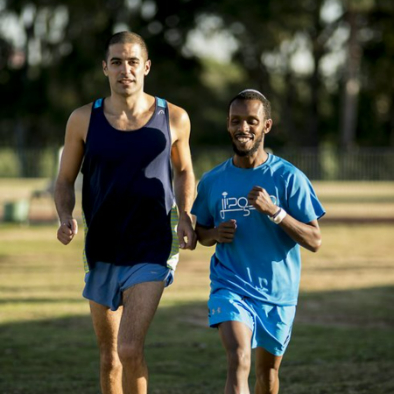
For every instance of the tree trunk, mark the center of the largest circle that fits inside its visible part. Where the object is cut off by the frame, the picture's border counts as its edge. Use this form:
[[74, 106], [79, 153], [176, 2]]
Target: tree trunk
[[287, 112], [312, 129], [351, 86], [391, 135]]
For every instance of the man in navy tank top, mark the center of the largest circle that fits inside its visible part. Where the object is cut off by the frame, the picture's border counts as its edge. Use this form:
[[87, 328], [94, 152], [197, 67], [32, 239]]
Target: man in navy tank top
[[258, 209], [127, 146]]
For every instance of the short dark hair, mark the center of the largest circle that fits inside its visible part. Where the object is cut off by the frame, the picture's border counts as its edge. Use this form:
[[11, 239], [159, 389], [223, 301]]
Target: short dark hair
[[252, 94], [126, 37]]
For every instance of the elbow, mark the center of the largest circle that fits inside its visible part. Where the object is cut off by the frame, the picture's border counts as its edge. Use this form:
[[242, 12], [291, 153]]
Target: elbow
[[64, 183], [186, 172], [206, 242], [315, 245]]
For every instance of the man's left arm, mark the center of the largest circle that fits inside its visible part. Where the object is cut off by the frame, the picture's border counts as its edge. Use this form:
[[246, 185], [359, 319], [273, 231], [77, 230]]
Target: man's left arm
[[184, 180], [307, 235]]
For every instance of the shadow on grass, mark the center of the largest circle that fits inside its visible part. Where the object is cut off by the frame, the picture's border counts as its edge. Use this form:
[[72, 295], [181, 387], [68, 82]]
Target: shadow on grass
[[347, 353], [40, 300]]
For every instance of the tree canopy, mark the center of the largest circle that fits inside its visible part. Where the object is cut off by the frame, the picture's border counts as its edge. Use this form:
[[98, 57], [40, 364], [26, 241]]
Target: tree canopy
[[325, 65]]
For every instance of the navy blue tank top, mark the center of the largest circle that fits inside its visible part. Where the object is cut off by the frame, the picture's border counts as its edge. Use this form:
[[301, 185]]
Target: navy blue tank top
[[127, 196]]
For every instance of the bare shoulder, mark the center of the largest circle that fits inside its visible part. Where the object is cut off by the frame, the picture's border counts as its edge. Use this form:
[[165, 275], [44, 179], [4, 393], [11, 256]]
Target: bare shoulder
[[179, 122], [78, 122]]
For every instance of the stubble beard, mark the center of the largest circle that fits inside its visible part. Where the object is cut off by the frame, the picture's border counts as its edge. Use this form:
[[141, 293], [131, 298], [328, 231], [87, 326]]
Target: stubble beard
[[251, 151]]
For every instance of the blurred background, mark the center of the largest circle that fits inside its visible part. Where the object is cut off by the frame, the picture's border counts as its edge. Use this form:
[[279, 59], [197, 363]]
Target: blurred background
[[326, 66]]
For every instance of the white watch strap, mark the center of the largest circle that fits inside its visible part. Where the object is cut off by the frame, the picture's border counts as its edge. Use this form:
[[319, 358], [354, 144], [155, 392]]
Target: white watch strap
[[278, 217]]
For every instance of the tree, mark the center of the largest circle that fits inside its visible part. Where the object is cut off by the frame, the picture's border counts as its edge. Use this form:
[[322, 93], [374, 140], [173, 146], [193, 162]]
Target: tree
[[292, 51]]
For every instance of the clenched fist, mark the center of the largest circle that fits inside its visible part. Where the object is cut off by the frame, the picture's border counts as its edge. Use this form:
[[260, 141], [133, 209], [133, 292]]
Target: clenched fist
[[261, 200]]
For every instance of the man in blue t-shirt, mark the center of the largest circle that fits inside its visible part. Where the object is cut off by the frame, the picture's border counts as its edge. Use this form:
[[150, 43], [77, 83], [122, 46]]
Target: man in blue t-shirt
[[258, 209]]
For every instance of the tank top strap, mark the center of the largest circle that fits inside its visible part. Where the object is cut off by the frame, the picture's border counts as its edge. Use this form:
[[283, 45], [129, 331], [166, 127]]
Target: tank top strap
[[161, 103], [161, 117], [98, 103], [96, 117]]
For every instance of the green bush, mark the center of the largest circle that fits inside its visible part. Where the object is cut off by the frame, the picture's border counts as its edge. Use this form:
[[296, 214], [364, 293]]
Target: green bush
[[9, 163]]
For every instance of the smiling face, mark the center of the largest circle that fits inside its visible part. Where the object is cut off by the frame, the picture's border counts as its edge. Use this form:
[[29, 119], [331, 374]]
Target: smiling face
[[126, 67], [247, 126]]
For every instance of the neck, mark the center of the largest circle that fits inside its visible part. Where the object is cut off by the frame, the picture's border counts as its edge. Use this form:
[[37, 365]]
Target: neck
[[253, 161], [133, 105]]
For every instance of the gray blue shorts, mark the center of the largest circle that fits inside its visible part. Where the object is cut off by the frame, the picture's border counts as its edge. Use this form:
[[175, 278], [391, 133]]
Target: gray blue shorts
[[270, 324], [105, 283]]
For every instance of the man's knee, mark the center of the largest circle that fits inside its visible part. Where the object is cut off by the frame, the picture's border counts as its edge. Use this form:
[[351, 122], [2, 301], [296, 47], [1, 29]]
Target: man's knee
[[268, 379], [239, 359], [109, 360], [131, 354]]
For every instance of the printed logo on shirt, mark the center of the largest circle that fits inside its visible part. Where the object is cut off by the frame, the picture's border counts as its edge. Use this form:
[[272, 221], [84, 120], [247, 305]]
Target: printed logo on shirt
[[238, 204], [161, 112]]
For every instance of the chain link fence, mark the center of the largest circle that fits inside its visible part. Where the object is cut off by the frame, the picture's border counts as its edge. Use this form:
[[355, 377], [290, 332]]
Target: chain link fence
[[363, 164]]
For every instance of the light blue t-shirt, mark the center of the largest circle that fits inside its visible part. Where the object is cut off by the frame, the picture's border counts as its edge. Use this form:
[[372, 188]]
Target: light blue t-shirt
[[262, 262]]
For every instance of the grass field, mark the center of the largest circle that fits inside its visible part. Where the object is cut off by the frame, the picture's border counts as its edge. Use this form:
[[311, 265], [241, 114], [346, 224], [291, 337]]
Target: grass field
[[349, 200], [343, 339]]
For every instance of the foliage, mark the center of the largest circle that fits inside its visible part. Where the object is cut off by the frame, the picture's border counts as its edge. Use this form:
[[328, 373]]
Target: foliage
[[55, 65]]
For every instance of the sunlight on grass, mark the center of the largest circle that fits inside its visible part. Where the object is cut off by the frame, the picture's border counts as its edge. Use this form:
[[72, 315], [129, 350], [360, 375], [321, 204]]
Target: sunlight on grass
[[344, 322]]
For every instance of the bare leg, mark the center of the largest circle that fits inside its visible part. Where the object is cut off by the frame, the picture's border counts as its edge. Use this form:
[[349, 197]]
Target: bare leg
[[267, 372], [236, 339], [106, 326], [139, 306]]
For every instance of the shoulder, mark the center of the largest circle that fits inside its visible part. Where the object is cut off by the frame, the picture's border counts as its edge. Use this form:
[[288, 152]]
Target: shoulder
[[211, 176], [284, 168], [292, 175], [81, 115], [78, 122], [179, 121], [177, 114]]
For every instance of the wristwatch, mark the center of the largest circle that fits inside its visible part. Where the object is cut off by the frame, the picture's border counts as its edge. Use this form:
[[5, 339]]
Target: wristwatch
[[278, 216]]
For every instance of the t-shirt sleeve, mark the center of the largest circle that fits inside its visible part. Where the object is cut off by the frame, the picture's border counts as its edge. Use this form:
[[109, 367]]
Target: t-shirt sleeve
[[201, 205], [303, 203]]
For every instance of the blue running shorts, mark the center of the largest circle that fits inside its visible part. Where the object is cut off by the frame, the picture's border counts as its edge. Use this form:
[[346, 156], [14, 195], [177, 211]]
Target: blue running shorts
[[270, 324], [105, 283]]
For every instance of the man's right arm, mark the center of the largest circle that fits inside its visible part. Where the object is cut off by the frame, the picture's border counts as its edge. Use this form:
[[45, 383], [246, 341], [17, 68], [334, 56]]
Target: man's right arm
[[70, 164]]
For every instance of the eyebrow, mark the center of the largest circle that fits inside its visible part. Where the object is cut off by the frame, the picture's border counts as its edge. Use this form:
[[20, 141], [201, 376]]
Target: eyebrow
[[119, 58], [249, 116]]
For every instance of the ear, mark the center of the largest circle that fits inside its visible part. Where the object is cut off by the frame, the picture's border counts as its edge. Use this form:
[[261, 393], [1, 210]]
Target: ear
[[267, 126], [105, 71], [147, 66]]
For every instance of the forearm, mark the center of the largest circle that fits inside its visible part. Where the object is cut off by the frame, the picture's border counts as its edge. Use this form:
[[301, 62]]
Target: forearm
[[206, 236], [307, 235], [184, 185], [64, 199]]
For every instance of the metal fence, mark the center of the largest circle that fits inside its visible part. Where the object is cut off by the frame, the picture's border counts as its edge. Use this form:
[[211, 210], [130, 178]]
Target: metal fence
[[366, 164], [29, 163]]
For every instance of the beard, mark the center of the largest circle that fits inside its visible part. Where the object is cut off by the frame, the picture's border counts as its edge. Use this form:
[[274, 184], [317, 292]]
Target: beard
[[247, 152]]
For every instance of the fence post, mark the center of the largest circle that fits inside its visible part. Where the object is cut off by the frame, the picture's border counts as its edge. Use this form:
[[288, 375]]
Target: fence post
[[329, 162]]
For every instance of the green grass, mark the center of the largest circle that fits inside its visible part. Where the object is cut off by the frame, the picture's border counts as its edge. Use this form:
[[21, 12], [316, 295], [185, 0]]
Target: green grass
[[341, 199], [342, 342]]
